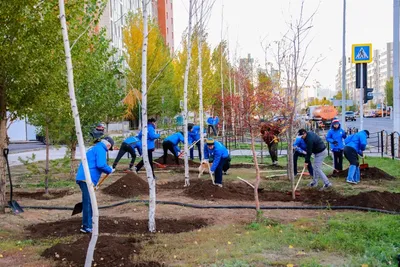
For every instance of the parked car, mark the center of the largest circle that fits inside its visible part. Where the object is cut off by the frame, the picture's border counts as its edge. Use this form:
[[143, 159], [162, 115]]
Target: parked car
[[350, 116]]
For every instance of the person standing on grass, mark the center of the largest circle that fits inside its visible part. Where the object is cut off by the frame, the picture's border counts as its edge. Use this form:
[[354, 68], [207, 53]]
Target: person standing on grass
[[221, 159], [194, 136], [300, 148], [315, 146], [171, 143], [211, 126], [355, 145], [97, 161], [128, 146], [151, 137], [335, 137]]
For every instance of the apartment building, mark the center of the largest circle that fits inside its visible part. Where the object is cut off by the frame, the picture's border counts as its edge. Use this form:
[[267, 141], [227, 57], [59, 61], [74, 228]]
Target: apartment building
[[379, 71], [114, 19]]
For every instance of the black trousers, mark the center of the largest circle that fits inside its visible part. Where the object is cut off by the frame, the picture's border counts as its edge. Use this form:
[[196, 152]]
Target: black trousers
[[296, 155], [227, 164], [351, 155], [338, 160], [141, 163], [273, 151], [123, 149], [168, 145], [213, 128]]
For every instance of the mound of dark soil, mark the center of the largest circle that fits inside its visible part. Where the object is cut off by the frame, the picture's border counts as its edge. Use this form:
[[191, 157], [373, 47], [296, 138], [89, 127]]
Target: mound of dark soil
[[205, 190], [117, 225], [177, 184], [110, 251], [171, 162], [262, 166], [128, 186], [40, 195], [371, 173]]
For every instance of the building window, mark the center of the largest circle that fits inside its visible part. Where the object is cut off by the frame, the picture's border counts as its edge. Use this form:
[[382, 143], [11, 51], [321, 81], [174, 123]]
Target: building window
[[167, 30], [167, 15]]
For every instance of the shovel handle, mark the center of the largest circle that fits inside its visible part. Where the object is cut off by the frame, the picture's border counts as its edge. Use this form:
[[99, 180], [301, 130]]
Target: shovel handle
[[101, 181], [301, 175]]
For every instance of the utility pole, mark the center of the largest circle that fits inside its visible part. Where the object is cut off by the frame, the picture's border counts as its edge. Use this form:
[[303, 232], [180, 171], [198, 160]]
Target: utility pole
[[396, 95], [344, 68]]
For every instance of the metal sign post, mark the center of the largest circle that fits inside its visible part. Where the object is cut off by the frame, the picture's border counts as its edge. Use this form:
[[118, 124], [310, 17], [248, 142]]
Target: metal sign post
[[360, 54]]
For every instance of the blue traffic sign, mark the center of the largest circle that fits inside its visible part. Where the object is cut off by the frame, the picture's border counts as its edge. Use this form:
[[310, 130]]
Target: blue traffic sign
[[361, 53]]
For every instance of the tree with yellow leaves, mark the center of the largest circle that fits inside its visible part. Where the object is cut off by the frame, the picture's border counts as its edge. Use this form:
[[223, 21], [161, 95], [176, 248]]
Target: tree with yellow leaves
[[160, 71]]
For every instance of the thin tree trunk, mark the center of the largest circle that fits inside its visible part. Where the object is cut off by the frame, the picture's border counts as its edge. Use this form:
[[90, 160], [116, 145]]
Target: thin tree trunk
[[72, 157], [200, 75], [149, 171], [231, 95], [3, 145], [185, 94], [46, 170], [222, 77], [257, 182], [74, 107]]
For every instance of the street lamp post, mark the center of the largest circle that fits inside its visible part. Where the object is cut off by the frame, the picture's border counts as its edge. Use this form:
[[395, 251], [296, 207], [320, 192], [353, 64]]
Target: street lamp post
[[344, 67]]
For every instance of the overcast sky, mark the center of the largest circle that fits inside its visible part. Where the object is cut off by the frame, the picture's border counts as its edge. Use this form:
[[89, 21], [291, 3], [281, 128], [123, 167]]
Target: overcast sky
[[246, 22]]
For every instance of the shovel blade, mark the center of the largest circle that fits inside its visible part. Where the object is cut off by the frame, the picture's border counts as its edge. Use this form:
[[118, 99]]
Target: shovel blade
[[16, 208], [77, 209], [364, 166]]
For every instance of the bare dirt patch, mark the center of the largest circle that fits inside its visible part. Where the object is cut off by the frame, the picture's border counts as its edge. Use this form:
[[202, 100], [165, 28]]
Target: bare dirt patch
[[110, 251], [114, 225], [371, 173], [40, 194], [128, 186], [205, 190], [261, 166], [171, 162]]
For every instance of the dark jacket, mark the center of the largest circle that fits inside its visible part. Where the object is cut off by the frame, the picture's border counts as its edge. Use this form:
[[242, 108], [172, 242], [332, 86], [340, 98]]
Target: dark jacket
[[314, 145]]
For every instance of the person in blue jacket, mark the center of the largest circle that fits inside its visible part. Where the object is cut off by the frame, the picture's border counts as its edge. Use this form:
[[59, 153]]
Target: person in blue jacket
[[355, 145], [128, 146], [221, 162], [211, 126], [194, 136], [171, 143], [300, 148], [335, 137], [151, 137], [97, 161]]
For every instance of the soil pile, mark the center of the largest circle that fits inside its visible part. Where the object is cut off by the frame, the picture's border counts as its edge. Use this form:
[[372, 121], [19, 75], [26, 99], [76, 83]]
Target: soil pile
[[110, 251], [171, 162], [371, 173], [114, 225], [176, 184], [128, 186], [373, 199], [40, 195]]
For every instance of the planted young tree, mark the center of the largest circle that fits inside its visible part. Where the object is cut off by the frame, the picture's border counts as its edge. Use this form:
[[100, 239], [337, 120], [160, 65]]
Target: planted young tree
[[260, 103], [292, 57], [185, 93], [74, 107], [149, 171]]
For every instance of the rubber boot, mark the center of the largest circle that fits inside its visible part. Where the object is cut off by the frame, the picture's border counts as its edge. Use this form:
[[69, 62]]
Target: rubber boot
[[351, 174], [357, 175]]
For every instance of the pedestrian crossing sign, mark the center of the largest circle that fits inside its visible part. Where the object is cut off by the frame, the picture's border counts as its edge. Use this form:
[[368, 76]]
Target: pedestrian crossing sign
[[361, 53]]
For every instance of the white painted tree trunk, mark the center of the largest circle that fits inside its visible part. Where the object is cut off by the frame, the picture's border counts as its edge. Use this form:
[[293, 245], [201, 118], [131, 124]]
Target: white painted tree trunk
[[78, 129], [231, 95], [200, 75], [185, 93], [222, 77], [149, 171]]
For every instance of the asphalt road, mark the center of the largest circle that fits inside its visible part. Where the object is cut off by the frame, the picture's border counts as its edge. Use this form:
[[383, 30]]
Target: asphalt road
[[373, 125], [19, 147]]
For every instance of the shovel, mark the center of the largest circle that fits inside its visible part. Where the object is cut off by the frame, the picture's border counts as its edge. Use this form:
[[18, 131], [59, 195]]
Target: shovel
[[364, 165], [297, 193], [243, 180], [159, 165], [16, 208], [209, 171], [190, 147], [78, 207]]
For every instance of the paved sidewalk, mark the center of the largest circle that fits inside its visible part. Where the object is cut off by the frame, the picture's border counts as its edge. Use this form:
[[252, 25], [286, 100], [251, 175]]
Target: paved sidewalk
[[58, 153]]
